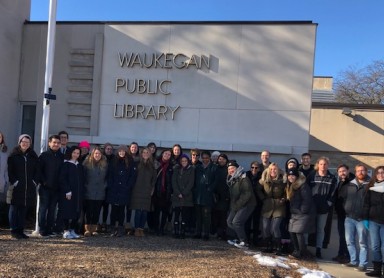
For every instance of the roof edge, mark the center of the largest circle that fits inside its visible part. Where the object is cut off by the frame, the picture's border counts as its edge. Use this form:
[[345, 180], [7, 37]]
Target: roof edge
[[245, 22]]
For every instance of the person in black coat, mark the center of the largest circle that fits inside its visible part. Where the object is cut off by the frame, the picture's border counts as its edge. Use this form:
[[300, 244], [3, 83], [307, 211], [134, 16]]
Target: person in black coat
[[50, 163], [23, 172], [302, 209], [71, 193], [161, 198], [344, 177], [121, 179], [205, 184], [222, 199], [252, 226]]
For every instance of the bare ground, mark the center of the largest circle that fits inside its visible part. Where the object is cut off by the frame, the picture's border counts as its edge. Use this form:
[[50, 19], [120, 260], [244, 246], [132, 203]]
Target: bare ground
[[129, 256]]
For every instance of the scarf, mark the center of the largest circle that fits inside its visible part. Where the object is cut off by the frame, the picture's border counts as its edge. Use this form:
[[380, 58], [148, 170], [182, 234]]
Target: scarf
[[231, 180], [163, 165], [378, 187]]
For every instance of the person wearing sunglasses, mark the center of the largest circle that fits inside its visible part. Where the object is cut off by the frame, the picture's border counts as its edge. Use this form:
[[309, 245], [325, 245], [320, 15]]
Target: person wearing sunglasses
[[252, 226]]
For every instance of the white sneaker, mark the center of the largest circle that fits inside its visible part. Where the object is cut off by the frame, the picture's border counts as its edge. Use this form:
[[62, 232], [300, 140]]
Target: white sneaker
[[241, 245], [68, 235], [233, 241], [74, 234]]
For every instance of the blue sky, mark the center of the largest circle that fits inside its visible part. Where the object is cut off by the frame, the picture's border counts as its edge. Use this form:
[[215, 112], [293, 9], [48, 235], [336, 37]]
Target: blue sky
[[349, 33]]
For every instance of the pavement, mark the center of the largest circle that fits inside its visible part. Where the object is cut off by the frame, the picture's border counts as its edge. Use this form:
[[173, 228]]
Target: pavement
[[335, 269]]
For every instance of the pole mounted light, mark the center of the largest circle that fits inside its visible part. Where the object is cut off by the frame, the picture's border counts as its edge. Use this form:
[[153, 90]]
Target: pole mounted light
[[47, 92]]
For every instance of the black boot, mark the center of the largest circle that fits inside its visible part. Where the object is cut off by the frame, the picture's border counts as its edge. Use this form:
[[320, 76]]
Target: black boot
[[376, 272], [318, 253], [279, 251], [182, 230], [176, 229], [269, 245]]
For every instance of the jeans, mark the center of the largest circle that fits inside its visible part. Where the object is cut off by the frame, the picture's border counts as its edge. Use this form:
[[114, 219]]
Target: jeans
[[271, 227], [352, 227], [47, 209], [236, 221], [321, 220], [140, 218], [376, 232], [16, 217]]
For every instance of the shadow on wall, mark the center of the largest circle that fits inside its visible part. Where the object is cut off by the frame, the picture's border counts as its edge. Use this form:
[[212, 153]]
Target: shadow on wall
[[319, 148]]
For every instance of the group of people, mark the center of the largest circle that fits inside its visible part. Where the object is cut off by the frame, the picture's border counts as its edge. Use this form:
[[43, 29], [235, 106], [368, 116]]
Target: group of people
[[204, 194]]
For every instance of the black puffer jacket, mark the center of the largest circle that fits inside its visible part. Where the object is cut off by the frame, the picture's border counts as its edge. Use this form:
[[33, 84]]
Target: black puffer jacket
[[353, 195], [23, 169], [301, 206], [374, 205]]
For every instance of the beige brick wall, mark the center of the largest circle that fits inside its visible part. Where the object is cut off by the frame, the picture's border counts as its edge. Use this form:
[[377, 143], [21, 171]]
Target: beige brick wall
[[350, 159]]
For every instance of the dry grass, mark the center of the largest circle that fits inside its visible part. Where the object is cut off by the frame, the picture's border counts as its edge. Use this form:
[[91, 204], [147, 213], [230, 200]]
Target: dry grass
[[151, 256]]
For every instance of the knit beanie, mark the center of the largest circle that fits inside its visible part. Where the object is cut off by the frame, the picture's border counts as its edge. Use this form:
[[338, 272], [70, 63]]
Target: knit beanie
[[24, 136], [85, 144]]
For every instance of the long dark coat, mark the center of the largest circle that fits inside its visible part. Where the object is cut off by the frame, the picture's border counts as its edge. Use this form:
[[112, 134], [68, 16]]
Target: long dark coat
[[162, 197], [221, 192], [144, 186], [182, 183], [72, 179], [205, 184], [120, 182], [302, 208], [24, 168]]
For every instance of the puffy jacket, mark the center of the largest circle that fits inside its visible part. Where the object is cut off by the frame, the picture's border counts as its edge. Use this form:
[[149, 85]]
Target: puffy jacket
[[302, 207], [23, 169], [373, 207], [353, 195], [274, 196], [182, 183], [241, 193]]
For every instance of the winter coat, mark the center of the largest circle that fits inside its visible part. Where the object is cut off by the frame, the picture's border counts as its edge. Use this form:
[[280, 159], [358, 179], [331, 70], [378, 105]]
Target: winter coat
[[50, 165], [338, 199], [221, 193], [23, 168], [257, 188], [373, 208], [95, 182], [144, 186], [205, 184], [72, 180], [302, 208], [241, 192], [120, 182], [353, 195], [273, 196], [323, 191], [3, 171], [182, 183], [162, 195]]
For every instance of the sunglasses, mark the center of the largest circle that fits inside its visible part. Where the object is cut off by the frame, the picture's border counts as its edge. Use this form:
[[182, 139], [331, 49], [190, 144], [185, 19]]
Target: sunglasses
[[254, 167]]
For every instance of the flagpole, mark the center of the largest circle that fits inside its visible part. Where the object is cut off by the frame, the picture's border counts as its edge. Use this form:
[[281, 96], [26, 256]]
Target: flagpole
[[47, 90]]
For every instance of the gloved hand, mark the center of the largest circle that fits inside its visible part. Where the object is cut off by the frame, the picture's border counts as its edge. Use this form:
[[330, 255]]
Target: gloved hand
[[366, 224]]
